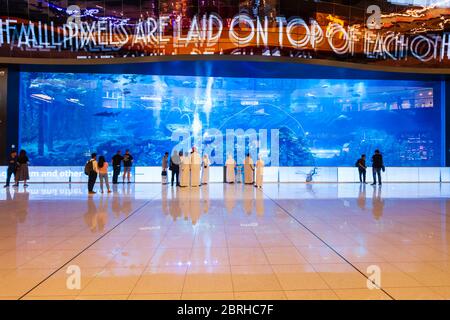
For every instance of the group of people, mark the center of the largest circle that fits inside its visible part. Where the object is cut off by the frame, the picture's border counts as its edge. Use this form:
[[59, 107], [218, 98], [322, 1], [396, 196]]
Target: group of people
[[99, 169], [190, 169], [187, 169], [17, 166], [377, 167]]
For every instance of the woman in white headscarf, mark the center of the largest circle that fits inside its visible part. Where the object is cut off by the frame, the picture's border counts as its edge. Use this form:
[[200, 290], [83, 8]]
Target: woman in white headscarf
[[249, 170], [185, 170], [205, 164], [259, 172], [230, 164], [196, 163]]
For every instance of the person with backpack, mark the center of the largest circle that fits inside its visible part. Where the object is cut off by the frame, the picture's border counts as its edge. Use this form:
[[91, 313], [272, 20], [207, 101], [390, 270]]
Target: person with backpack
[[361, 165], [91, 170]]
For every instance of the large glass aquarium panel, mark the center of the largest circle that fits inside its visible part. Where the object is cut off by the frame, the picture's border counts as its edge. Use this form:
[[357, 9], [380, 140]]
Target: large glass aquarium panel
[[290, 122]]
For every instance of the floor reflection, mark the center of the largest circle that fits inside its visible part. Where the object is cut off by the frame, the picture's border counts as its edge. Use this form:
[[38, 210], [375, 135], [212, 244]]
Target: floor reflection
[[293, 241]]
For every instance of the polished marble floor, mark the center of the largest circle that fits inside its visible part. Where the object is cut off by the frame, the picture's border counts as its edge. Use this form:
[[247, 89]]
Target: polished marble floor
[[288, 241]]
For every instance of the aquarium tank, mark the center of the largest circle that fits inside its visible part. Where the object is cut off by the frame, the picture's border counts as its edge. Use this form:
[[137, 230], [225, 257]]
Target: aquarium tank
[[306, 122]]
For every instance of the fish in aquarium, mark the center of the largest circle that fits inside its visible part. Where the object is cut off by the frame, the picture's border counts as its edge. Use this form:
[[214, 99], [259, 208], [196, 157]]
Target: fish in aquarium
[[321, 122]]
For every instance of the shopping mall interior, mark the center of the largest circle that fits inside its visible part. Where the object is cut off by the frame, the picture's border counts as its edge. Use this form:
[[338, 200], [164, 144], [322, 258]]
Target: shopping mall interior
[[224, 150]]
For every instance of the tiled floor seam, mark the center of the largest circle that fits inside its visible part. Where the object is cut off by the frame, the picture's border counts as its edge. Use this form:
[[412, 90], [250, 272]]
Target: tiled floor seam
[[90, 245], [329, 246]]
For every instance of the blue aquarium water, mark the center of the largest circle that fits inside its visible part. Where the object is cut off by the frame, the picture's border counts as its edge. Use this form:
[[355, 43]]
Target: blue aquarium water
[[294, 122]]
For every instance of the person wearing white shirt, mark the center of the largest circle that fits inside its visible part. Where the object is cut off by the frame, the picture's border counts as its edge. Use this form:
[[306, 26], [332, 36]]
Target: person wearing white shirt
[[249, 170], [259, 172], [206, 164], [230, 165], [185, 170], [196, 163]]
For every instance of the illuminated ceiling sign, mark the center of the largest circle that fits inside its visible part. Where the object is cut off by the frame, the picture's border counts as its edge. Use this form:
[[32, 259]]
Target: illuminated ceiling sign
[[423, 3], [407, 36]]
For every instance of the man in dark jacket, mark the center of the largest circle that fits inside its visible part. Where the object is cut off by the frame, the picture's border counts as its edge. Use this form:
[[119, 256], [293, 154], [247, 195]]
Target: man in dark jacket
[[377, 166], [12, 166], [117, 164], [174, 166]]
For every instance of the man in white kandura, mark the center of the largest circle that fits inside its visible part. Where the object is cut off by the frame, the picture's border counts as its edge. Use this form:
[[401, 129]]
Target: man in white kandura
[[196, 163], [230, 164], [249, 170], [259, 172], [205, 165], [185, 170]]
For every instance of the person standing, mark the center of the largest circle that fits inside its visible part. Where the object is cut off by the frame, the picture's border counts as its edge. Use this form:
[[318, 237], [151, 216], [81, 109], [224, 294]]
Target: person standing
[[117, 164], [103, 173], [164, 166], [175, 167], [22, 173], [205, 165], [361, 164], [127, 164], [12, 167], [249, 169], [91, 169], [259, 172], [377, 166], [230, 165], [196, 163], [185, 170]]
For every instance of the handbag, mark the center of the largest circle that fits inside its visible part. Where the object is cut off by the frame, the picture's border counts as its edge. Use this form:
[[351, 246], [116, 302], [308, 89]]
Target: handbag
[[164, 173]]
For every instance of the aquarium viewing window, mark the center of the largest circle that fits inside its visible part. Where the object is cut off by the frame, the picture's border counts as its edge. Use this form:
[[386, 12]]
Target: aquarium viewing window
[[291, 122]]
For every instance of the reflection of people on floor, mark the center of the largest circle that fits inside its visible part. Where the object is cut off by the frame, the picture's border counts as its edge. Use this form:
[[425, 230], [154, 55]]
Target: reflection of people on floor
[[249, 196], [205, 198], [361, 201], [90, 217], [205, 165], [377, 203], [259, 172], [174, 204], [164, 205], [249, 169], [184, 202], [230, 164], [259, 203], [239, 174], [185, 170], [116, 205], [196, 162], [194, 205], [22, 204], [102, 215], [127, 204], [229, 197], [8, 195]]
